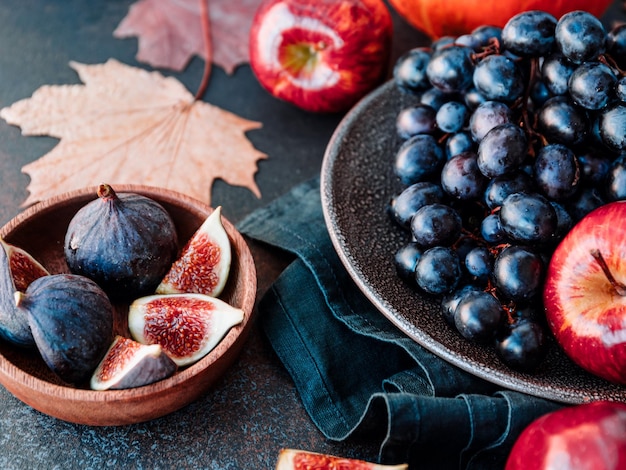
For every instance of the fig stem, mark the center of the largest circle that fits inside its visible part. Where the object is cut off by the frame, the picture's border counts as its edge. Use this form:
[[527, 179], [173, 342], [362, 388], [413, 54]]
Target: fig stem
[[105, 191], [619, 287]]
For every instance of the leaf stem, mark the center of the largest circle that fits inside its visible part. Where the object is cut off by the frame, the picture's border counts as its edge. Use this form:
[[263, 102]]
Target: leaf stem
[[206, 32]]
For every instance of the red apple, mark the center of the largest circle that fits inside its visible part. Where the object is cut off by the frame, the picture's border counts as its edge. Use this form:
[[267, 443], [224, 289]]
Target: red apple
[[585, 292], [321, 55], [582, 437]]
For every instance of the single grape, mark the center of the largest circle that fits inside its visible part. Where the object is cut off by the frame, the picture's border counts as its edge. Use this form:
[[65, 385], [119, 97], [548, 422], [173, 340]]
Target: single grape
[[459, 142], [479, 263], [473, 98], [450, 68], [593, 136], [491, 229], [580, 36], [584, 201], [528, 218], [467, 40], [564, 221], [413, 120], [592, 85], [405, 204], [461, 178], [478, 316], [616, 180], [436, 224], [612, 126], [594, 166], [620, 89], [434, 98], [555, 72], [451, 116], [438, 270], [409, 71], [498, 78], [485, 34], [500, 187], [449, 302], [406, 259], [616, 44], [539, 94], [530, 33], [560, 121], [502, 150], [532, 312], [487, 116], [518, 273], [523, 347], [556, 170], [418, 158], [464, 245], [442, 42]]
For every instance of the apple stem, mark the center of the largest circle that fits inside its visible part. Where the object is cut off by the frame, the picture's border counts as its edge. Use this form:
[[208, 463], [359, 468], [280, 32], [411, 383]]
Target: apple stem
[[619, 287]]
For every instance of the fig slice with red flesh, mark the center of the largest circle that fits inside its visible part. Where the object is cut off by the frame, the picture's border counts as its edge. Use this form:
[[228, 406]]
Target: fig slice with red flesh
[[204, 263], [17, 270], [293, 459], [24, 268], [130, 364], [187, 326]]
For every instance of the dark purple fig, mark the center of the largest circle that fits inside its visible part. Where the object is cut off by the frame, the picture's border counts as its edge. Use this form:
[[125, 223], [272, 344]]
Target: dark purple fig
[[129, 364], [13, 322], [187, 326], [125, 242], [71, 319]]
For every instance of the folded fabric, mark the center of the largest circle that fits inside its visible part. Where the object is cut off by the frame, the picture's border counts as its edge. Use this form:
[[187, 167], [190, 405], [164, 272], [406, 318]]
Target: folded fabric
[[357, 374]]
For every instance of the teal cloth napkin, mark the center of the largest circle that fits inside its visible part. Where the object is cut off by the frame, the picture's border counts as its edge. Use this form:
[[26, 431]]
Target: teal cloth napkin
[[358, 376]]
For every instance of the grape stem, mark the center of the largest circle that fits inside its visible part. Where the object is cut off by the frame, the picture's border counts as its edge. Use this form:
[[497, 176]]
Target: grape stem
[[492, 47], [609, 61], [619, 287]]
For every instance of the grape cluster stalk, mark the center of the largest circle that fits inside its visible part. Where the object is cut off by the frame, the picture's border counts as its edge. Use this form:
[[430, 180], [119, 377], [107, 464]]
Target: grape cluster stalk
[[517, 133]]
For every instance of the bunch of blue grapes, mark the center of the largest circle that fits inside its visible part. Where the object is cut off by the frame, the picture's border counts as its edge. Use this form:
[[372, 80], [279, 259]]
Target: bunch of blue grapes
[[516, 134]]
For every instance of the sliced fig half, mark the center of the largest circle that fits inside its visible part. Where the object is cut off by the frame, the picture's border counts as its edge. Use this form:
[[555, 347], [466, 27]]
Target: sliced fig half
[[24, 268], [187, 326], [293, 459], [204, 263], [130, 364], [16, 268]]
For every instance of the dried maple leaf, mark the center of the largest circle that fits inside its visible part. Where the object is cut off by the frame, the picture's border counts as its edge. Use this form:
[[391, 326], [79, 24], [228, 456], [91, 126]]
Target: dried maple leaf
[[128, 125], [170, 31]]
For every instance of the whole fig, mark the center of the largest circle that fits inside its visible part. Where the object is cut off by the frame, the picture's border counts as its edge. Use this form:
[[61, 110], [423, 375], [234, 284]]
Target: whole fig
[[125, 242], [71, 320]]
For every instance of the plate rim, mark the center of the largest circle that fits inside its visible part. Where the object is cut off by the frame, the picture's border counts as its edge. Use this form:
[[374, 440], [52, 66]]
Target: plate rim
[[512, 381]]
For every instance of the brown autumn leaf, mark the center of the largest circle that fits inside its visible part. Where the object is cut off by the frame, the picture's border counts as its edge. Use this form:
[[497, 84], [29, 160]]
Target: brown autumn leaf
[[170, 31], [128, 125]]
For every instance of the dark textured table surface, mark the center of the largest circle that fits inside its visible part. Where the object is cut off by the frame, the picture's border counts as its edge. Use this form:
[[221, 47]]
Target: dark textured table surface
[[254, 410]]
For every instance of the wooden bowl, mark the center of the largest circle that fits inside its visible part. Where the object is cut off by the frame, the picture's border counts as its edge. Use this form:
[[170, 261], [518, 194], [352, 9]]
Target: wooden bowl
[[40, 230]]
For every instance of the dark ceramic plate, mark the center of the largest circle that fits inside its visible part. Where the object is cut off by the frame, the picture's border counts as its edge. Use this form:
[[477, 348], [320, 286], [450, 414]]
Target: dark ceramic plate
[[357, 183]]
